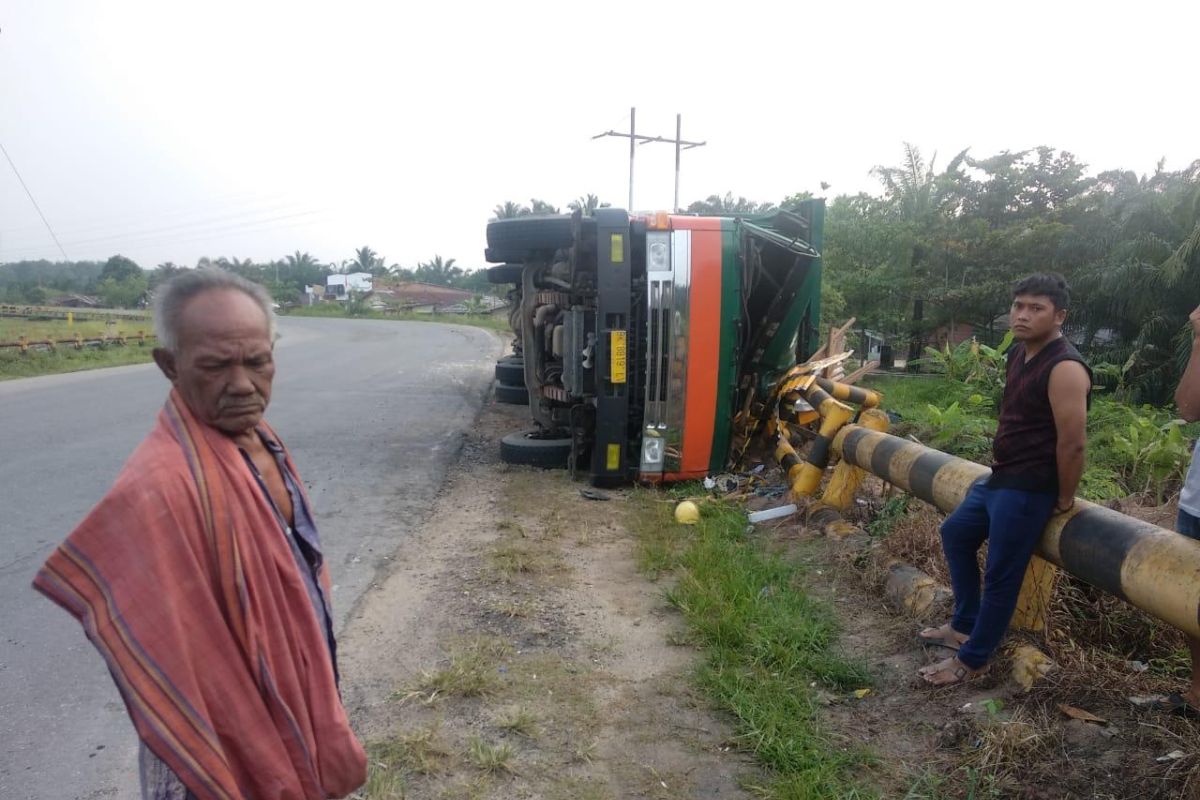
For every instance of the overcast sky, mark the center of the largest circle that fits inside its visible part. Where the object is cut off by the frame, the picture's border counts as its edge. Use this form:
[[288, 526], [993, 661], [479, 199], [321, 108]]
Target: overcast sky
[[167, 131]]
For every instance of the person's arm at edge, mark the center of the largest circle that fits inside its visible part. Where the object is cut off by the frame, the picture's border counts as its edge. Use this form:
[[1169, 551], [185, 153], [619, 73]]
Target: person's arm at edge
[[1069, 385], [1187, 394]]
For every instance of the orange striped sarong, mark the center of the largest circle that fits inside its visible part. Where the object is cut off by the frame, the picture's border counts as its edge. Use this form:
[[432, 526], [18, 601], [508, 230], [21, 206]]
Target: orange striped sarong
[[183, 581]]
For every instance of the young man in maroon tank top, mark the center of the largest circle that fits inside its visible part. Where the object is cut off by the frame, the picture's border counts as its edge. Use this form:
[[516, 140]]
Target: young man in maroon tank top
[[1038, 456]]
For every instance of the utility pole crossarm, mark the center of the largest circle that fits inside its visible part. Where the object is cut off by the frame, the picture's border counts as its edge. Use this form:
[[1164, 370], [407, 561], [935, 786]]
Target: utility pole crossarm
[[636, 138]]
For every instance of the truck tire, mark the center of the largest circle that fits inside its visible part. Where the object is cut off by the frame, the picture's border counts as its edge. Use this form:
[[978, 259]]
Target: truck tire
[[528, 449], [513, 239], [511, 373], [513, 395], [505, 273]]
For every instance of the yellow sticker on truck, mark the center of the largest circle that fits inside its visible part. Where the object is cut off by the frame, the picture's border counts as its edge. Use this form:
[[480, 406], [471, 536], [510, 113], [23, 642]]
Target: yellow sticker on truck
[[618, 248], [617, 356], [613, 462]]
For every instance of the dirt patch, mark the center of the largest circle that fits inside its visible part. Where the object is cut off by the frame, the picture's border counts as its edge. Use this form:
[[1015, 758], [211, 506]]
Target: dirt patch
[[515, 651]]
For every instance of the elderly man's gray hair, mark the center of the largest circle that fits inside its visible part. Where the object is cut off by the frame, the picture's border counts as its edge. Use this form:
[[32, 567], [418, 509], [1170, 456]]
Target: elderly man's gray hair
[[173, 295]]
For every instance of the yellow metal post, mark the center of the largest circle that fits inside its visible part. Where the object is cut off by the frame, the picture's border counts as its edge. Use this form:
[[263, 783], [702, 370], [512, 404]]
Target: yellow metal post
[[833, 416], [1033, 604], [70, 319], [846, 478]]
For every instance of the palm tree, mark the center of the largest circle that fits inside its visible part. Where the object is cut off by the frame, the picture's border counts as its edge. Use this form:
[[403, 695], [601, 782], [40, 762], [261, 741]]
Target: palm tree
[[439, 271], [508, 209], [367, 260], [302, 261], [1147, 280], [586, 204], [541, 207], [916, 195], [716, 205]]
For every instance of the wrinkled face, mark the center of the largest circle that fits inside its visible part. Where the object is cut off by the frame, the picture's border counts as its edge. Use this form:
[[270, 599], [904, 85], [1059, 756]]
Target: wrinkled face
[[223, 363], [1033, 317]]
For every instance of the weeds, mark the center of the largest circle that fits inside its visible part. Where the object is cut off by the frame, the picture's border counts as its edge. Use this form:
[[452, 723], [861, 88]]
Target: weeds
[[470, 673], [519, 720], [490, 758], [768, 645]]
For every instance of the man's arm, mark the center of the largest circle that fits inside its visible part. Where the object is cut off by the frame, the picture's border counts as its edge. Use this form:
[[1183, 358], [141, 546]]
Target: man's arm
[[1187, 394], [1069, 385]]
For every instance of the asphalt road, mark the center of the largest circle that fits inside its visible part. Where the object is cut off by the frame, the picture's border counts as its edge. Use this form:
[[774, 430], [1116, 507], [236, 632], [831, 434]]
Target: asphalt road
[[373, 413]]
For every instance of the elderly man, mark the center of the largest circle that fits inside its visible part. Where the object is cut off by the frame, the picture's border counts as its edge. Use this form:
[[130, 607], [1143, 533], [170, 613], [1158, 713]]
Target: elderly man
[[200, 579]]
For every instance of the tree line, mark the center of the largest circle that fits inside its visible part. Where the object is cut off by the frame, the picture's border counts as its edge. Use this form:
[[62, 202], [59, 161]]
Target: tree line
[[121, 283], [931, 247]]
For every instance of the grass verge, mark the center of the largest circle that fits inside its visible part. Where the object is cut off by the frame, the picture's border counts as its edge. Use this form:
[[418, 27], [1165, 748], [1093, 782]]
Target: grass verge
[[493, 322], [14, 364], [768, 645]]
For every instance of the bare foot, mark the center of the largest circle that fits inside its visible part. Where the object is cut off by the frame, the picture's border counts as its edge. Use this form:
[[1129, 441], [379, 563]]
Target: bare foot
[[947, 673]]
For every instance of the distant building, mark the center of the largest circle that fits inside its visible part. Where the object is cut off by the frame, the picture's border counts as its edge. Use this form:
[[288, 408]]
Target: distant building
[[339, 286], [423, 298]]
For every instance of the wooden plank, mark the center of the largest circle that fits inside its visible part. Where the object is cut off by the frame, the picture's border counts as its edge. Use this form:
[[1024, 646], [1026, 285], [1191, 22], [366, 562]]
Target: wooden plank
[[857, 375]]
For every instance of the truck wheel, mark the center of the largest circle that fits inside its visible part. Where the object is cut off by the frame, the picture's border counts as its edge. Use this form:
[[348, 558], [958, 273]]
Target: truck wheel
[[513, 239], [528, 449], [514, 395], [511, 373], [505, 273]]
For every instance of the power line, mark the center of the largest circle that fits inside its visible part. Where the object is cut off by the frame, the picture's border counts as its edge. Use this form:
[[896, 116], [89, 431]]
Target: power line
[[35, 205]]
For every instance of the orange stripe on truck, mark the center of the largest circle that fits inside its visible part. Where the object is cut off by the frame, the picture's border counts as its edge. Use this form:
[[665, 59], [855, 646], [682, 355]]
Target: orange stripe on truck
[[704, 344]]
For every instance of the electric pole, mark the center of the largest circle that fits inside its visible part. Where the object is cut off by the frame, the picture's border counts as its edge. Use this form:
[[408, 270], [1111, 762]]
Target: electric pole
[[635, 139]]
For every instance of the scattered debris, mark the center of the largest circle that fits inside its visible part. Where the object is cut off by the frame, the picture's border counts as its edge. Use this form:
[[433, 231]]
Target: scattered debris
[[687, 513], [1029, 664], [1174, 755], [594, 494], [772, 513], [1137, 666], [1147, 702], [725, 483], [1080, 714]]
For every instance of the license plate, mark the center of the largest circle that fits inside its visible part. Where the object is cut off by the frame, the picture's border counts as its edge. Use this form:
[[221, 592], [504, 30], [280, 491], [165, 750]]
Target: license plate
[[617, 358]]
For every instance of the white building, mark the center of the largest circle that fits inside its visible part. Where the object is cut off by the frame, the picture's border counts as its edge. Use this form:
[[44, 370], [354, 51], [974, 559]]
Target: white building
[[342, 285]]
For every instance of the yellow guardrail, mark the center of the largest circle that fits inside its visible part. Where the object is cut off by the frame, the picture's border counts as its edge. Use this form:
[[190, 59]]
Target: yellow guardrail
[[78, 341], [20, 310]]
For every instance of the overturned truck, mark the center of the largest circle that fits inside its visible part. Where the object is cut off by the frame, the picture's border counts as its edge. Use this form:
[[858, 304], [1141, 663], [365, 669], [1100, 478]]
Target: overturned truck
[[641, 339]]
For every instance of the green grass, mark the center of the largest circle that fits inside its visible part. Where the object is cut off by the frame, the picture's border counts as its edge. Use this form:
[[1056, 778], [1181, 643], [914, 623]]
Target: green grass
[[492, 322], [768, 646], [14, 364]]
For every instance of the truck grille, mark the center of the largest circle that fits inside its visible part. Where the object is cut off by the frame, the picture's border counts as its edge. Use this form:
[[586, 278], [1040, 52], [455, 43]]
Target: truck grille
[[666, 346]]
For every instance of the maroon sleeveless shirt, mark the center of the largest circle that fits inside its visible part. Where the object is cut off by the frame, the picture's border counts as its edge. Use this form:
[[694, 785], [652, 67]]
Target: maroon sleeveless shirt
[[1025, 450]]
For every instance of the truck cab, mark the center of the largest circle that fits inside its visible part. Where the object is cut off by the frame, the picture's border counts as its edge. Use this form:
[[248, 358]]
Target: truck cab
[[644, 336]]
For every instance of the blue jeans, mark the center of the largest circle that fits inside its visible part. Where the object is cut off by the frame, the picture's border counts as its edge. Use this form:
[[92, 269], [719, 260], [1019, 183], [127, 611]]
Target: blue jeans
[[1012, 521], [1188, 525]]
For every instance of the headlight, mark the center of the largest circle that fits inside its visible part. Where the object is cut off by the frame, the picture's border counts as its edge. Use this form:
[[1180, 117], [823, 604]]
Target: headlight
[[658, 253], [652, 451]]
